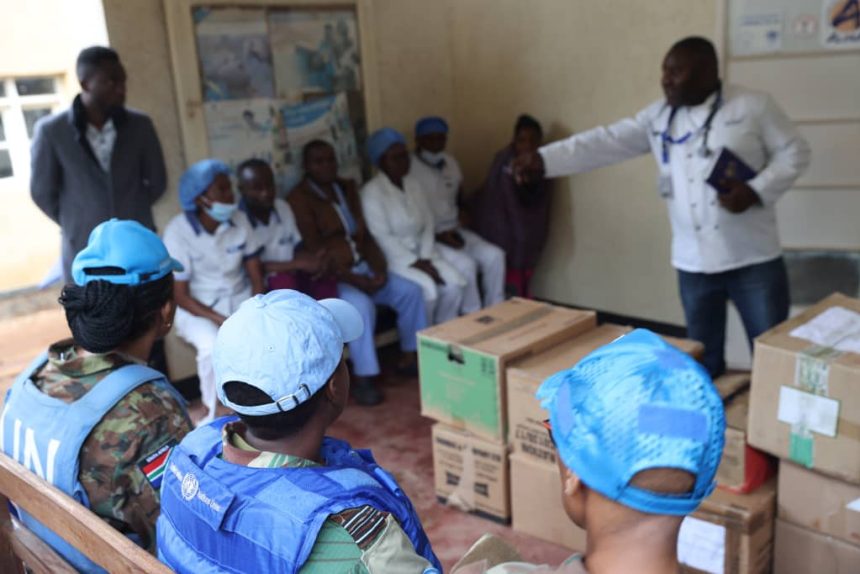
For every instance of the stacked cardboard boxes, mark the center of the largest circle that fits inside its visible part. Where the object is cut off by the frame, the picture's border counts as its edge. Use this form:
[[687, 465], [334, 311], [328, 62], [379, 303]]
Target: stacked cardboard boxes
[[462, 369], [805, 409]]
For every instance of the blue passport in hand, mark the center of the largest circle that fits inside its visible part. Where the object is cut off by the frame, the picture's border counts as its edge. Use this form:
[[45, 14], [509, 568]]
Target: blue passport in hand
[[727, 167]]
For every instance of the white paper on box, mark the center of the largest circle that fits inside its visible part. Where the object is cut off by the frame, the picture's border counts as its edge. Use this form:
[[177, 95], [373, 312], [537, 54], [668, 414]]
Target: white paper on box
[[812, 412], [854, 505], [702, 545], [837, 327]]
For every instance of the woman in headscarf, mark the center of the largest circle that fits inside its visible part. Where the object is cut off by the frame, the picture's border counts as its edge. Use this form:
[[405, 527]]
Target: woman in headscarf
[[221, 261], [515, 217]]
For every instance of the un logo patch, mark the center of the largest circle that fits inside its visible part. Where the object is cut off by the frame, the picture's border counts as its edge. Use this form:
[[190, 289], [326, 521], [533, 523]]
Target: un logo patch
[[189, 486]]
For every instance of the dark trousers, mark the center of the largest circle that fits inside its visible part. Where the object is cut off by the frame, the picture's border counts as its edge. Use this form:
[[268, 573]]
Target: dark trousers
[[759, 292]]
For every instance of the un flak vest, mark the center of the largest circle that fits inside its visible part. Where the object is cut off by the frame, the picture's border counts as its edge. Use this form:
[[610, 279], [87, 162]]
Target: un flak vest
[[45, 434], [217, 516]]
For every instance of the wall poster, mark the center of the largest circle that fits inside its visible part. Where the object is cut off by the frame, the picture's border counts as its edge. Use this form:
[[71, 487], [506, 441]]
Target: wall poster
[[274, 79]]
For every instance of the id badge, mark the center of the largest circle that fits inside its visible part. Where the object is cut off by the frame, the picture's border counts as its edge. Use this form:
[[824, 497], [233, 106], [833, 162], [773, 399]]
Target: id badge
[[664, 186]]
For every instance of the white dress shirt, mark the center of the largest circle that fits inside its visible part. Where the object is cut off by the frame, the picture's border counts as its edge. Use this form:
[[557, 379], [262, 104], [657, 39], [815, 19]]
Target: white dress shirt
[[440, 186], [102, 142], [706, 238]]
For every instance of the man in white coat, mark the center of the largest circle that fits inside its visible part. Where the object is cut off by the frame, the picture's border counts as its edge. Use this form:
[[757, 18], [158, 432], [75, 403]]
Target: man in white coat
[[441, 182], [725, 244], [400, 220]]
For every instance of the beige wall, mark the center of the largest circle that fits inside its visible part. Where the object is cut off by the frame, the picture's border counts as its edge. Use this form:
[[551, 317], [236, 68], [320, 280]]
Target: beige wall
[[137, 30], [481, 63], [573, 65], [38, 38]]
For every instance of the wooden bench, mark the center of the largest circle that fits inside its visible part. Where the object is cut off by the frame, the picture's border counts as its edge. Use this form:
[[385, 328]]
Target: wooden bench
[[76, 524]]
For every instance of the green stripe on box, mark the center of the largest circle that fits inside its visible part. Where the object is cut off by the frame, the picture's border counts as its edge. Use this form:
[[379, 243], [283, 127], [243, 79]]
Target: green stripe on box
[[800, 448]]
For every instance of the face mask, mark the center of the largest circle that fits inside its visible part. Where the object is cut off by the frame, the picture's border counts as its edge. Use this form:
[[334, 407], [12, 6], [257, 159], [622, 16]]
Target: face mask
[[431, 157], [222, 212]]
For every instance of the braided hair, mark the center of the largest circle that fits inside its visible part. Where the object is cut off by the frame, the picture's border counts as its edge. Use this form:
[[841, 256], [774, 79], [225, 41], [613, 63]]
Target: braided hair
[[103, 315]]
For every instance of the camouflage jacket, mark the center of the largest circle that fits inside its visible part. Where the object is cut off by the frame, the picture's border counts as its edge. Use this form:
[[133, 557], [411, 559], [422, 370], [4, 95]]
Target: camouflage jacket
[[114, 458]]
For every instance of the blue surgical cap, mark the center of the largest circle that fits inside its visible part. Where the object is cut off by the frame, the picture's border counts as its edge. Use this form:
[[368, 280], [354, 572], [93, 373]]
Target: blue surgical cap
[[430, 125], [197, 179], [379, 142], [637, 404]]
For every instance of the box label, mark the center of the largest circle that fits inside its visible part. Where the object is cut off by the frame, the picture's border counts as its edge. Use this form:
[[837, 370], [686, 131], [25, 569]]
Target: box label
[[812, 369], [808, 411], [837, 327], [460, 385], [702, 545]]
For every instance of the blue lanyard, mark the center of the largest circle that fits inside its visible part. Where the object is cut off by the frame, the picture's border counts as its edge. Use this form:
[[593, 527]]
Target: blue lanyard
[[666, 139], [341, 207]]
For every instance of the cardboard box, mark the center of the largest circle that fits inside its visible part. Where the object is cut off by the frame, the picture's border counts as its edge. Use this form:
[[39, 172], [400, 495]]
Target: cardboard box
[[525, 414], [471, 473], [818, 502], [730, 533], [462, 362], [742, 468], [526, 434], [536, 507], [693, 348], [801, 551], [805, 401]]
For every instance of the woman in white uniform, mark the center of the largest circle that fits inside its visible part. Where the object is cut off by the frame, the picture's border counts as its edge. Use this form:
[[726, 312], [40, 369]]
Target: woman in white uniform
[[221, 261], [403, 226]]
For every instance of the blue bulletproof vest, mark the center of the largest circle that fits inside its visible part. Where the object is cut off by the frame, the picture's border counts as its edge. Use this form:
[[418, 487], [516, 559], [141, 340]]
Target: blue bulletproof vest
[[45, 434], [221, 517]]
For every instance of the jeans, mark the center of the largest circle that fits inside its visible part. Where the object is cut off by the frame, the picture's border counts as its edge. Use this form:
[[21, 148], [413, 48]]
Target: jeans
[[759, 292], [402, 295]]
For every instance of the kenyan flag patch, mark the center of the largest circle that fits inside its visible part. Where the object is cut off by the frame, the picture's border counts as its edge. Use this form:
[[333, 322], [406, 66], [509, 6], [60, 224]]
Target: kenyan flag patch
[[153, 465]]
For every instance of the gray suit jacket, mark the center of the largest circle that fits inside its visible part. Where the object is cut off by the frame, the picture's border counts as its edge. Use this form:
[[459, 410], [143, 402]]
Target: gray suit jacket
[[69, 185]]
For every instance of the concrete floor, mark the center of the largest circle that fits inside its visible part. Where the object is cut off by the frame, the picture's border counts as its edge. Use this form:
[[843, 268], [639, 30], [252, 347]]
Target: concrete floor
[[394, 430]]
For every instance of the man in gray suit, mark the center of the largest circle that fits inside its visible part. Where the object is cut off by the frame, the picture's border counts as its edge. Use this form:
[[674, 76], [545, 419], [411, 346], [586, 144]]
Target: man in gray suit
[[96, 160]]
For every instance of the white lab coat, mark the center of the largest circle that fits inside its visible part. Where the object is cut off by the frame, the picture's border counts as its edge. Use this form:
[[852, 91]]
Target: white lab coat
[[477, 256], [402, 224], [705, 237]]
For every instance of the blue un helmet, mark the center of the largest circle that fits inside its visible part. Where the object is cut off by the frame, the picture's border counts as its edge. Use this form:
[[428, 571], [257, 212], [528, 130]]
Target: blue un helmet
[[637, 404]]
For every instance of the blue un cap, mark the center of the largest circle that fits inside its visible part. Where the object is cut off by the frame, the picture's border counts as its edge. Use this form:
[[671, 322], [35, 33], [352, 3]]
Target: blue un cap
[[123, 252], [634, 405], [285, 344]]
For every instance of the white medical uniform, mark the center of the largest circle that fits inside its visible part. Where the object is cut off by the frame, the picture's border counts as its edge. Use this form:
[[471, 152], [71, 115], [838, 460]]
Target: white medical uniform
[[402, 224], [214, 269], [279, 238], [440, 187], [705, 237]]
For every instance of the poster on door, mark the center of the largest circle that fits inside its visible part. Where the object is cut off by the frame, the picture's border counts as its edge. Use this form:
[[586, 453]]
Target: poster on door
[[314, 53], [840, 24], [326, 119], [235, 55]]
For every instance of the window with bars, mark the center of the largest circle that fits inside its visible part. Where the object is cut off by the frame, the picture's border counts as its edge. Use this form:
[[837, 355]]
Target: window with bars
[[23, 101]]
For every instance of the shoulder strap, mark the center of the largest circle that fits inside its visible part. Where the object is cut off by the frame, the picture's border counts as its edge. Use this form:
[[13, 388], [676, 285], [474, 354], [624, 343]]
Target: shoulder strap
[[34, 366], [103, 396]]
